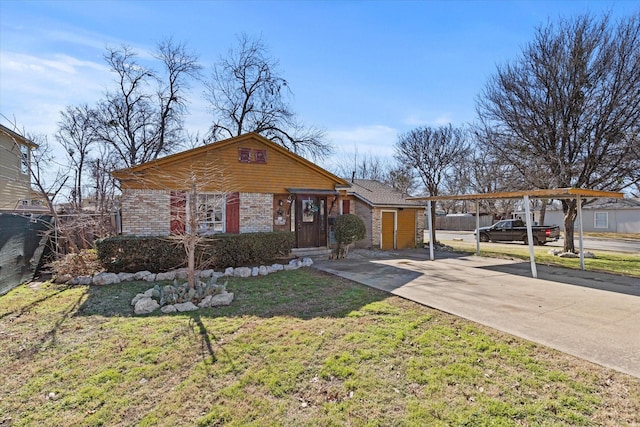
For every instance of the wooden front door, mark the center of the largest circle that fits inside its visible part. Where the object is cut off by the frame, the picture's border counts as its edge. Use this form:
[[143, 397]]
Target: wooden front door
[[388, 231], [311, 231]]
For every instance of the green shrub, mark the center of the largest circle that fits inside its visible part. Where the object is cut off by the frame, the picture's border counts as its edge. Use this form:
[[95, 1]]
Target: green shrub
[[157, 254], [348, 228]]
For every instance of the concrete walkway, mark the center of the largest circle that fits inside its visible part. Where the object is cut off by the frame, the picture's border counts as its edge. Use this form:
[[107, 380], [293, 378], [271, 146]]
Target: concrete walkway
[[593, 316]]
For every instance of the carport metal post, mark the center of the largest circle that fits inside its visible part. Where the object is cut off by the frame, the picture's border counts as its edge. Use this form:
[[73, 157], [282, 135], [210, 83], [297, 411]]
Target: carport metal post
[[532, 256], [430, 230], [477, 227], [579, 203]]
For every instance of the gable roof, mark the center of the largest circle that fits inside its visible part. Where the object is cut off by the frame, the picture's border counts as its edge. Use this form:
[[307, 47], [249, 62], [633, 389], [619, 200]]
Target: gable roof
[[377, 194], [16, 136], [199, 151]]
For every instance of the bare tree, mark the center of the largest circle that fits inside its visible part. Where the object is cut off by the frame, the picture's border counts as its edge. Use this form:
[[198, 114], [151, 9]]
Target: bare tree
[[199, 194], [366, 166], [76, 134], [248, 94], [402, 178], [570, 107], [143, 117], [432, 152]]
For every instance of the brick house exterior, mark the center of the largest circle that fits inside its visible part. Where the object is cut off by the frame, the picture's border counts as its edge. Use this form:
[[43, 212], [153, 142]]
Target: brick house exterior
[[392, 221], [245, 184]]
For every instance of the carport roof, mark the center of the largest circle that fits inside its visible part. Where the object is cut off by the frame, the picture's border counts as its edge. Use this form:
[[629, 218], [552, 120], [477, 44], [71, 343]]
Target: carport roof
[[552, 193]]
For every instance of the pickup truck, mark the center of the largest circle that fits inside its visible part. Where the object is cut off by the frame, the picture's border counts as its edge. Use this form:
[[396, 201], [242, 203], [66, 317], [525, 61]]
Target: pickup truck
[[510, 230]]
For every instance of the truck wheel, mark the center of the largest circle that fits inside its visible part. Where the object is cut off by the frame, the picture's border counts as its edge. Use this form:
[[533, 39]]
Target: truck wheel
[[536, 242], [484, 237]]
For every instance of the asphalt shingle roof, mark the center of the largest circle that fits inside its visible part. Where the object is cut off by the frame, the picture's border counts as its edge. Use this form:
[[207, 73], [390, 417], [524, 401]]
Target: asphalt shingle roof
[[376, 193]]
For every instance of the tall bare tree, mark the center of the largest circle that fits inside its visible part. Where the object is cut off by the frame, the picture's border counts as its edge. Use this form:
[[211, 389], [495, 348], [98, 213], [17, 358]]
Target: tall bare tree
[[432, 152], [248, 94], [143, 117], [566, 113], [76, 134]]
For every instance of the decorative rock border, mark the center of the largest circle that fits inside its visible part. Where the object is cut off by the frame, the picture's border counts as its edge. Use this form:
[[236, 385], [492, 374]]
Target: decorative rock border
[[216, 295], [180, 274]]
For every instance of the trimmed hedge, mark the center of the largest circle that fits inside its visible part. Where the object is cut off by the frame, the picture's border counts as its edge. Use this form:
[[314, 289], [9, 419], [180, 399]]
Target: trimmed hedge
[[158, 254]]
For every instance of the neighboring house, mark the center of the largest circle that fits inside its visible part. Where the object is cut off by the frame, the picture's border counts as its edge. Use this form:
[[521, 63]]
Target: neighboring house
[[253, 185], [603, 215], [392, 221], [15, 173]]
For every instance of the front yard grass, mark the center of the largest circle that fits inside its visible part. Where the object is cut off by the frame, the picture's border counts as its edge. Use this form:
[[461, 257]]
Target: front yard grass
[[295, 348]]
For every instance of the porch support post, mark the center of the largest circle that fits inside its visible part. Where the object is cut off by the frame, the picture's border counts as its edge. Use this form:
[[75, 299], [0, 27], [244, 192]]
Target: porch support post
[[579, 203], [477, 227], [532, 256], [430, 230]]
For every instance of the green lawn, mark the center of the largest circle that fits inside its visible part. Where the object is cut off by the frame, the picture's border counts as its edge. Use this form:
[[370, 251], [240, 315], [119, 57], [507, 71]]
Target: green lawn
[[627, 264], [295, 348]]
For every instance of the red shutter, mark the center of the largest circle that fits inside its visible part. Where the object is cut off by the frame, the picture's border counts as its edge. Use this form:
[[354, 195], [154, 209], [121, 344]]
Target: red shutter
[[178, 212], [232, 220], [346, 206]]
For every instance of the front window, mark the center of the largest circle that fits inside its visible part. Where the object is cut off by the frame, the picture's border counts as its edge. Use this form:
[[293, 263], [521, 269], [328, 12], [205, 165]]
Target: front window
[[211, 213]]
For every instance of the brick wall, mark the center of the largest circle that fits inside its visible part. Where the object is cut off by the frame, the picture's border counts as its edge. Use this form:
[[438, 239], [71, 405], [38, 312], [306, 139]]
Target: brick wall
[[256, 212], [145, 212], [364, 211]]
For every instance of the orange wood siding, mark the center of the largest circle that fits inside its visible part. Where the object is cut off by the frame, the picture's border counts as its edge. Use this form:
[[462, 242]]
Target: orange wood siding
[[406, 237], [227, 173]]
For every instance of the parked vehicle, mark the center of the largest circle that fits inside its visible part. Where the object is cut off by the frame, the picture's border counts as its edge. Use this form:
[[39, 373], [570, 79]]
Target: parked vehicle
[[511, 230]]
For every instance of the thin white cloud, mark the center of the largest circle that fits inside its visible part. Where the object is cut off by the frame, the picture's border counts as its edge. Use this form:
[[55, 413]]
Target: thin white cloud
[[35, 88], [427, 119]]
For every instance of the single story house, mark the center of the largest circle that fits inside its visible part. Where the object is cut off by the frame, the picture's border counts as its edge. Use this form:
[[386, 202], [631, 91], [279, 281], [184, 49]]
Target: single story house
[[245, 184], [603, 215], [392, 221]]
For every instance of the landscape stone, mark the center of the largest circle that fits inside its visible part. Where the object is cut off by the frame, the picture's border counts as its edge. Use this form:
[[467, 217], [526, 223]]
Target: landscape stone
[[181, 273], [217, 274], [137, 298], [205, 274], [83, 280], [169, 275], [568, 255], [224, 298], [205, 302], [126, 277], [105, 279], [63, 278], [277, 267], [242, 272], [150, 277], [185, 306], [228, 271], [262, 270], [146, 306], [168, 309], [307, 262], [140, 275], [254, 271]]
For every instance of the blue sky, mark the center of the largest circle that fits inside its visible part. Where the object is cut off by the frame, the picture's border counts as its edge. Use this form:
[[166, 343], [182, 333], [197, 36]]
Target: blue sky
[[364, 71]]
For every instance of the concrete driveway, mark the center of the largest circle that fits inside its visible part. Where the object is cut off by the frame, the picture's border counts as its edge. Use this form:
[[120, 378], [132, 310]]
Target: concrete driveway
[[593, 316]]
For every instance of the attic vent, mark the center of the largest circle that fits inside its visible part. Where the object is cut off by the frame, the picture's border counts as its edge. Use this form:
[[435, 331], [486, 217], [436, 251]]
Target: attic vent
[[247, 155], [244, 155]]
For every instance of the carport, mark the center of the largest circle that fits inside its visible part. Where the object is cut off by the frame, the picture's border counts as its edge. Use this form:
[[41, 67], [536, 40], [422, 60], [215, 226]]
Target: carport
[[558, 193]]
